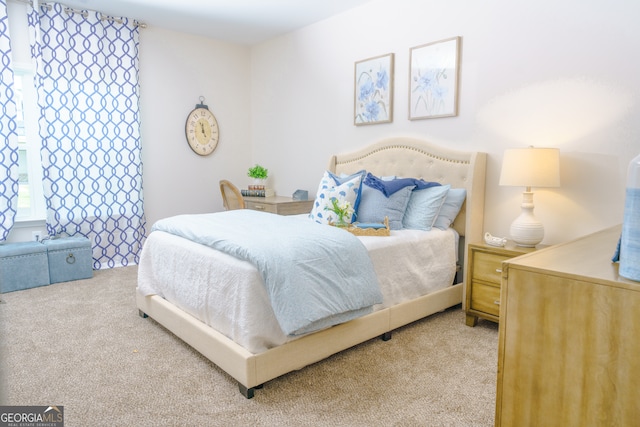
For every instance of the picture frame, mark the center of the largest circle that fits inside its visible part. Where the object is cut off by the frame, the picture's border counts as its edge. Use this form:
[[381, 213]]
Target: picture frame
[[373, 90], [433, 79]]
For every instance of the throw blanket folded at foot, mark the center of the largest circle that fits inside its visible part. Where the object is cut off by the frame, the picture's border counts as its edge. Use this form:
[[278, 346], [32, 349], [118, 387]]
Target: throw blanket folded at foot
[[316, 275]]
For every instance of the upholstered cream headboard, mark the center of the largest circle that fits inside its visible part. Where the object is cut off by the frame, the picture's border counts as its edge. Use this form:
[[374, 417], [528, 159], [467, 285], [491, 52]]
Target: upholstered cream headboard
[[414, 158]]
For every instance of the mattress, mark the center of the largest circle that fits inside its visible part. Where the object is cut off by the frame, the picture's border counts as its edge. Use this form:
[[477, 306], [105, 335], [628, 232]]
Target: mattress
[[229, 294]]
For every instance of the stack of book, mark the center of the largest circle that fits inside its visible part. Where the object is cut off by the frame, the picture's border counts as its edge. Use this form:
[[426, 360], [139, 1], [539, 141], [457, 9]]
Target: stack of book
[[257, 191]]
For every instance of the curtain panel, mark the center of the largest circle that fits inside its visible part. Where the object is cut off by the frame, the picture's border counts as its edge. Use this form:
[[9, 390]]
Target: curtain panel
[[88, 94], [9, 172]]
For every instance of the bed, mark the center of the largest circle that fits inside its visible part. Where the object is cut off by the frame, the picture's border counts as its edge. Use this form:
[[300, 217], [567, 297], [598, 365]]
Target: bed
[[251, 363]]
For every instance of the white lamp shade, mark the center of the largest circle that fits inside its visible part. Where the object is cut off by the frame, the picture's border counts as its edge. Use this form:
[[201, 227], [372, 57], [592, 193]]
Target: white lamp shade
[[531, 167]]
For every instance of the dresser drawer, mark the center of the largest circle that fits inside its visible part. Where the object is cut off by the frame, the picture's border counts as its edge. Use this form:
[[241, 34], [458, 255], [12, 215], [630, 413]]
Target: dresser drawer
[[488, 266], [485, 298]]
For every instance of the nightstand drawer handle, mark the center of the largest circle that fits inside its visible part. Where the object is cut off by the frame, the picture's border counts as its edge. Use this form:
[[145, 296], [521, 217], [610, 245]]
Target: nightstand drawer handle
[[497, 302], [498, 270], [259, 207]]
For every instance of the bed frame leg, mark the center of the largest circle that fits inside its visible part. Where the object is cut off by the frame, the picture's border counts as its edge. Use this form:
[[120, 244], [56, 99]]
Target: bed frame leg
[[142, 314], [386, 336], [249, 392], [246, 392]]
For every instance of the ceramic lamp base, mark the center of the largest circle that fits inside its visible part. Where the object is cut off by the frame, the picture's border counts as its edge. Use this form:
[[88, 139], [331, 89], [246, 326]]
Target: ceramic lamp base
[[526, 230]]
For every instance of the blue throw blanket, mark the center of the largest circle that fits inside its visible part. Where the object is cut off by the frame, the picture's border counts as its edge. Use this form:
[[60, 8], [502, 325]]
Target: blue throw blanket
[[389, 187], [316, 275]]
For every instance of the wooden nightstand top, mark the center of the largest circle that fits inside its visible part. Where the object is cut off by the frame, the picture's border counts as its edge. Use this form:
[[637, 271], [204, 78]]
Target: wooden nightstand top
[[509, 249]]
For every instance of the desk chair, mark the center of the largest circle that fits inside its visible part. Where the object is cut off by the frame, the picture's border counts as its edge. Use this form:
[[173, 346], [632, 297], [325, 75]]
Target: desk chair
[[231, 196]]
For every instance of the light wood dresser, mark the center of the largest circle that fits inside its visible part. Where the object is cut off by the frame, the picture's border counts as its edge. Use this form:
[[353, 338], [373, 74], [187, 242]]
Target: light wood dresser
[[569, 338], [278, 204]]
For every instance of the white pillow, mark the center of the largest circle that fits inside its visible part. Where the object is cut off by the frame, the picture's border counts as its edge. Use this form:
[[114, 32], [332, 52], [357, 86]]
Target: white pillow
[[345, 190]]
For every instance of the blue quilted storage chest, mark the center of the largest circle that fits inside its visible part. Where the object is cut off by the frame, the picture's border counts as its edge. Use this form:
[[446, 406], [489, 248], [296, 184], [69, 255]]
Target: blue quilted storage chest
[[23, 265], [70, 258]]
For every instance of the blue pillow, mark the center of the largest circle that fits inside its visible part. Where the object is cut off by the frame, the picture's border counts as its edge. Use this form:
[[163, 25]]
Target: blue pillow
[[424, 206], [390, 186], [374, 206], [342, 178], [344, 189], [450, 208]]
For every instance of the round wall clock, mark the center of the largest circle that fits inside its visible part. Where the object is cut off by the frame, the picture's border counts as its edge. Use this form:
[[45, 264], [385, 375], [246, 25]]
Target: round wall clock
[[202, 130]]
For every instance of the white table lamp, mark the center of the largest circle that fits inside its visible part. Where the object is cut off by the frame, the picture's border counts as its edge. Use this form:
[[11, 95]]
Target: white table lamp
[[529, 167]]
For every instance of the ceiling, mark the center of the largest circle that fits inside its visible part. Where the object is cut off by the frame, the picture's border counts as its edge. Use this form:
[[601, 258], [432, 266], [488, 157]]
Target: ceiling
[[238, 21]]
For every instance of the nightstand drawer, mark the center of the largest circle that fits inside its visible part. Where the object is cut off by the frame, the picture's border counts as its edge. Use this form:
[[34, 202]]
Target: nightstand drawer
[[264, 207], [485, 298], [488, 266]]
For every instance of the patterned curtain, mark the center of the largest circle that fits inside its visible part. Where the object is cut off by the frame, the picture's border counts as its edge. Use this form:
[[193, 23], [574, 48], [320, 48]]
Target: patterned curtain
[[88, 92], [8, 134]]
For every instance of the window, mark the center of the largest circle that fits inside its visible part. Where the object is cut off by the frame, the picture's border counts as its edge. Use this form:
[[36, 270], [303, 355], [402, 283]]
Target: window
[[31, 205]]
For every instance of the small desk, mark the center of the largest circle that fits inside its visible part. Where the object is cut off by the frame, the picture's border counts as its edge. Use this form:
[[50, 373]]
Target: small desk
[[278, 204]]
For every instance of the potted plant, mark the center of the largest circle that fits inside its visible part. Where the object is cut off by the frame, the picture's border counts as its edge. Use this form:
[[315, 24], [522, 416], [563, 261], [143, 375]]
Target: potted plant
[[259, 174]]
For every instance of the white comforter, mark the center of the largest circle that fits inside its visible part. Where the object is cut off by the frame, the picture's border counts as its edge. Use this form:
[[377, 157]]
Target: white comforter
[[229, 294]]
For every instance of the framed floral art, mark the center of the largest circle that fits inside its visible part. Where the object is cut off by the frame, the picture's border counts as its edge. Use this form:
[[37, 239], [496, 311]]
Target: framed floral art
[[373, 97], [433, 79]]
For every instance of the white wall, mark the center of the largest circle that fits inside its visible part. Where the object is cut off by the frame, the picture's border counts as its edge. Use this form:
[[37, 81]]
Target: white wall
[[547, 73], [175, 70], [544, 73]]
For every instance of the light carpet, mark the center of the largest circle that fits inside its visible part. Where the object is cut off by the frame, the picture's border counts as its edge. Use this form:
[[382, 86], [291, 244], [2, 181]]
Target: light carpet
[[82, 345]]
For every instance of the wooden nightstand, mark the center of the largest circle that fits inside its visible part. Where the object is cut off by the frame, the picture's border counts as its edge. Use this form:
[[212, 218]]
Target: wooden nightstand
[[278, 205], [484, 276]]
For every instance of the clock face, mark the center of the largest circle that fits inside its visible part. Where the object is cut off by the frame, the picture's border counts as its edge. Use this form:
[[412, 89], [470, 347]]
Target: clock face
[[202, 131]]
